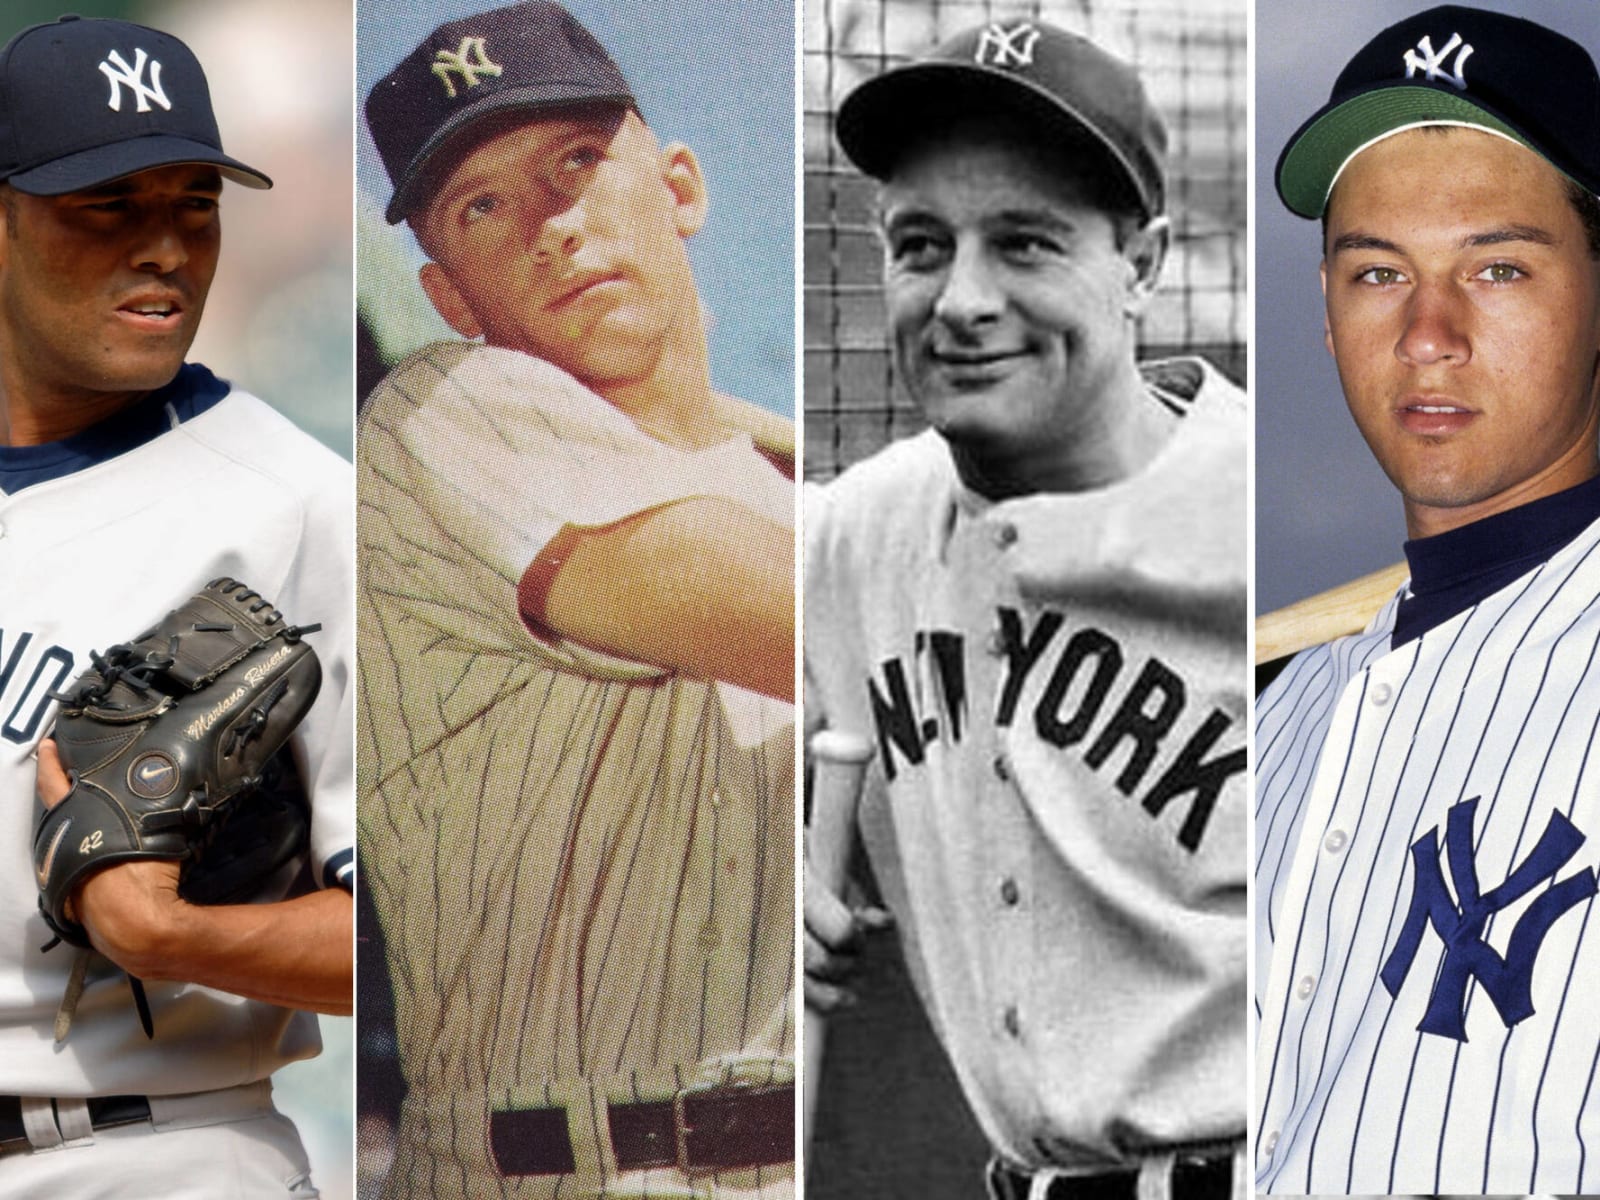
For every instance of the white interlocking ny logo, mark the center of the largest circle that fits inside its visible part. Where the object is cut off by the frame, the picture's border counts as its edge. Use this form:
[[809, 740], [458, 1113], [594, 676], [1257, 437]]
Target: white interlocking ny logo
[[117, 70], [1433, 64], [469, 62], [1001, 47]]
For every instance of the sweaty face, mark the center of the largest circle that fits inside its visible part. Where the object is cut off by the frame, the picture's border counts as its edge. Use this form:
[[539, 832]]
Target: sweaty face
[[564, 238], [1464, 316], [101, 291], [1008, 298]]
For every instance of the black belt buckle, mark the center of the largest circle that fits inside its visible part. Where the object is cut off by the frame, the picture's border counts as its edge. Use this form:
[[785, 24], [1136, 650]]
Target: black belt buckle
[[731, 1126]]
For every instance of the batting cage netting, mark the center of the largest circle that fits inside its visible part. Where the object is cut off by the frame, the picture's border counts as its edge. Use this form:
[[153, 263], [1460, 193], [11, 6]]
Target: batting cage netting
[[1191, 54]]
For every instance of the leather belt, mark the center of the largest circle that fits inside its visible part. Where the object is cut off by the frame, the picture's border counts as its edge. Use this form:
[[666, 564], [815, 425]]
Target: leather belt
[[1193, 1178], [700, 1130], [105, 1112]]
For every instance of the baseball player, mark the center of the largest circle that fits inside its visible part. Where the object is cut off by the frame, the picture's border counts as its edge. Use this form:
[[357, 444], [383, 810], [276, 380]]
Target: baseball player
[[578, 655], [128, 479], [1427, 789], [1035, 613]]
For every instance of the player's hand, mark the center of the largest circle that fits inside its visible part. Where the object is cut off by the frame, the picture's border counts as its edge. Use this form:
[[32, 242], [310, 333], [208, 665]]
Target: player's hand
[[835, 936], [128, 908]]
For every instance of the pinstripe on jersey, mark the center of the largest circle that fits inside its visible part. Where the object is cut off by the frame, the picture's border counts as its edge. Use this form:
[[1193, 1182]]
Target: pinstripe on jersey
[[584, 866], [1364, 751]]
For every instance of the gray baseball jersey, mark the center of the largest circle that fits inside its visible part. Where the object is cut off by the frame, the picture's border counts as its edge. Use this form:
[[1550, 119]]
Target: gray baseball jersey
[[1056, 686], [89, 557], [583, 864], [1427, 954]]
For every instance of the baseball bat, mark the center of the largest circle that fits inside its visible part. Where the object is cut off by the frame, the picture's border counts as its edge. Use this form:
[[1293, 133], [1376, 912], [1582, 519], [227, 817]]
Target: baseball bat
[[839, 766], [1335, 613]]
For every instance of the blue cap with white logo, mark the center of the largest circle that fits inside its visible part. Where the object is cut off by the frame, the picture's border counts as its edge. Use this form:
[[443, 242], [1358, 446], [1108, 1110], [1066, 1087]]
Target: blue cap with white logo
[[84, 101], [1452, 66]]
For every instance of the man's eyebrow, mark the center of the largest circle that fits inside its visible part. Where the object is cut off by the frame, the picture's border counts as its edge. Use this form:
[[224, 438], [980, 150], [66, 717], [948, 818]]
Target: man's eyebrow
[[1362, 241], [1509, 233], [1489, 237]]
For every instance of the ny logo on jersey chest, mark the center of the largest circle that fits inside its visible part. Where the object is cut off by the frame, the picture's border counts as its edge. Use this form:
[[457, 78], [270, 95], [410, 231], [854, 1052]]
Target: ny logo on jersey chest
[[1460, 921]]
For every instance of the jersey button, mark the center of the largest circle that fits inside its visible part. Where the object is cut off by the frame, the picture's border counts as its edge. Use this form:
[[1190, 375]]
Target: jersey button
[[1271, 1143], [1010, 893], [1012, 1020], [1002, 769], [1305, 987], [1335, 841], [1005, 534], [996, 643], [1381, 692]]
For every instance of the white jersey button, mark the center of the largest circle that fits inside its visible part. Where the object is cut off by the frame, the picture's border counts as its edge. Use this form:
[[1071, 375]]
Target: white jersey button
[[1381, 693], [995, 644], [1005, 534], [1012, 1020], [1335, 841], [1305, 987], [1010, 893], [1270, 1144]]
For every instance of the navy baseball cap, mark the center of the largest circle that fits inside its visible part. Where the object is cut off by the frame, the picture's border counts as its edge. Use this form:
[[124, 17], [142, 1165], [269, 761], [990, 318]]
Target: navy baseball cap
[[84, 101], [1452, 66], [530, 57], [1027, 68]]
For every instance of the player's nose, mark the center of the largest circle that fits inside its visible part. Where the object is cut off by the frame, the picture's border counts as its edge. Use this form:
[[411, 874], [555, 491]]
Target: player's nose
[[160, 245], [554, 234], [1434, 328], [969, 294]]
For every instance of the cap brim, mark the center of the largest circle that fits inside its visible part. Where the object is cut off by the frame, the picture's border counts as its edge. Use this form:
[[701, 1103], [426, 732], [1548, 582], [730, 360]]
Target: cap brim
[[421, 169], [102, 164], [1320, 148], [876, 122]]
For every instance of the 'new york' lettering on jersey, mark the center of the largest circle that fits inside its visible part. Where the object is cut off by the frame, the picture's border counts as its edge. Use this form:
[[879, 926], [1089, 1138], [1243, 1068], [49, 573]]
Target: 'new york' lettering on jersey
[[29, 672], [1427, 945], [1132, 721]]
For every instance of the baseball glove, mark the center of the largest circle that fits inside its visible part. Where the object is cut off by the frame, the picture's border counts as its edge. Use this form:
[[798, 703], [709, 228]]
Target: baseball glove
[[169, 743]]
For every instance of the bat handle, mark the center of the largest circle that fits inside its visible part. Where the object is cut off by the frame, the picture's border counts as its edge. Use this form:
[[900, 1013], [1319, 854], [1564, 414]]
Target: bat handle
[[838, 767]]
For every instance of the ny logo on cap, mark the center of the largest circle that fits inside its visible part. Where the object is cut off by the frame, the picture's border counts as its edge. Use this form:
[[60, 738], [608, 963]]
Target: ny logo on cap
[[1433, 64], [1000, 47], [469, 62], [116, 69]]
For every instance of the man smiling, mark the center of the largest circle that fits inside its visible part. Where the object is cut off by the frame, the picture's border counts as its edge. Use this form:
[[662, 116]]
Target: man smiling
[[1428, 788], [578, 631], [1035, 613]]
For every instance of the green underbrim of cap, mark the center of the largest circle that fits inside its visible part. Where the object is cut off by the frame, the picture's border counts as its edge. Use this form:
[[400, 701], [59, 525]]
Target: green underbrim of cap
[[1313, 159]]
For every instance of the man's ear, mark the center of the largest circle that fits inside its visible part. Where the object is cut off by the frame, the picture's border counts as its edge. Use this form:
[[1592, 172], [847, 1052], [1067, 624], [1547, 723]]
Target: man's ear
[[680, 170], [1327, 330], [1146, 252], [447, 301]]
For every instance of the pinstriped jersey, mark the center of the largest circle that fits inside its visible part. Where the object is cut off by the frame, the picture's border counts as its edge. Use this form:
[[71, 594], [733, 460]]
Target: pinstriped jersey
[[583, 864], [1428, 946], [1055, 685]]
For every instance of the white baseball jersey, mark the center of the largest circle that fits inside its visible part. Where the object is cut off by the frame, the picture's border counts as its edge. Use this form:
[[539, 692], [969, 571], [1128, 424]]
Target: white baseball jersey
[[1427, 942], [92, 557], [583, 864], [1056, 688]]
